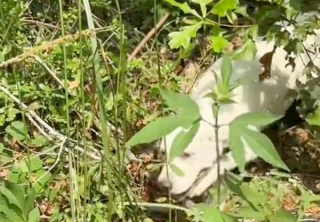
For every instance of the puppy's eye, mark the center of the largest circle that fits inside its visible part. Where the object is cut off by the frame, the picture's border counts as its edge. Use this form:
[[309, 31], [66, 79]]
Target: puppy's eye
[[162, 154]]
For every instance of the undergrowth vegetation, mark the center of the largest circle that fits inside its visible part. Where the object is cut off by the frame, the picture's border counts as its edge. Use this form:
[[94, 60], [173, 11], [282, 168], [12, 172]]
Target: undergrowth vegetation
[[84, 82]]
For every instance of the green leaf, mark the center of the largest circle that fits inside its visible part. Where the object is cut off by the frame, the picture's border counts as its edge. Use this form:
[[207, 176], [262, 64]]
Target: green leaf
[[6, 157], [226, 70], [256, 119], [295, 4], [184, 106], [35, 163], [29, 201], [14, 195], [223, 6], [10, 214], [203, 4], [246, 52], [228, 218], [183, 38], [262, 146], [242, 135], [3, 217], [218, 43], [39, 141], [1, 149], [182, 141], [241, 10], [22, 165], [43, 176], [184, 7], [283, 215], [251, 196], [253, 32], [34, 215], [155, 130], [315, 119], [232, 17], [237, 146], [176, 170], [17, 130], [209, 213], [247, 212]]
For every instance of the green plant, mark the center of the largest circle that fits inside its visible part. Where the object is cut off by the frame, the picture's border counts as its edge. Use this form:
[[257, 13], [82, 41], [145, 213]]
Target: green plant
[[240, 133], [17, 203]]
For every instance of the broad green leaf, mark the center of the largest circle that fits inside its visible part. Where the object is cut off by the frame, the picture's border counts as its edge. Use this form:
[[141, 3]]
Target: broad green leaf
[[242, 10], [237, 146], [39, 141], [155, 130], [242, 136], [218, 43], [182, 141], [22, 165], [283, 215], [183, 38], [246, 52], [11, 196], [296, 4], [99, 217], [11, 115], [43, 176], [9, 213], [184, 7], [34, 215], [253, 32], [14, 177], [228, 218], [247, 212], [29, 201], [263, 147], [209, 213], [17, 130], [176, 170], [4, 217], [315, 119], [292, 7], [252, 197], [186, 108], [35, 163], [17, 191], [256, 119], [223, 6], [226, 70]]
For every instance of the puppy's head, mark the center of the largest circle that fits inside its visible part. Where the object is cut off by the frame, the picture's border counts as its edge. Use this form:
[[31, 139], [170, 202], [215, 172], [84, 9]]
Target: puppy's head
[[199, 155]]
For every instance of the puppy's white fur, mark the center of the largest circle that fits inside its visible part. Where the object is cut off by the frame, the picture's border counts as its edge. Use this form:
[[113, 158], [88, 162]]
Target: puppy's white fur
[[273, 95]]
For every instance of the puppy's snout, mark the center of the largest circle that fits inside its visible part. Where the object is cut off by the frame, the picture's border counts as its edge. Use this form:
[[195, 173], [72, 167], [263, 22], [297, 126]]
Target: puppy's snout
[[164, 184]]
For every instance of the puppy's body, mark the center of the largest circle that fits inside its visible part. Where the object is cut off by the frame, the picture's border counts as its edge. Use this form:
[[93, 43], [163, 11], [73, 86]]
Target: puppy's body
[[273, 95]]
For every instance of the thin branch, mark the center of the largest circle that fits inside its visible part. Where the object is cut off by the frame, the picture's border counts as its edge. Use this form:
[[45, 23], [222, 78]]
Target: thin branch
[[52, 73], [147, 37]]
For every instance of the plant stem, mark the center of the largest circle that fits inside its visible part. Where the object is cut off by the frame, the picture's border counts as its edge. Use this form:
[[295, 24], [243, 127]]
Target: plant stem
[[216, 132]]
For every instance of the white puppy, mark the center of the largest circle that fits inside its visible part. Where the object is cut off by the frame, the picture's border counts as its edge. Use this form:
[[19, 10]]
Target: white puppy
[[273, 95]]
